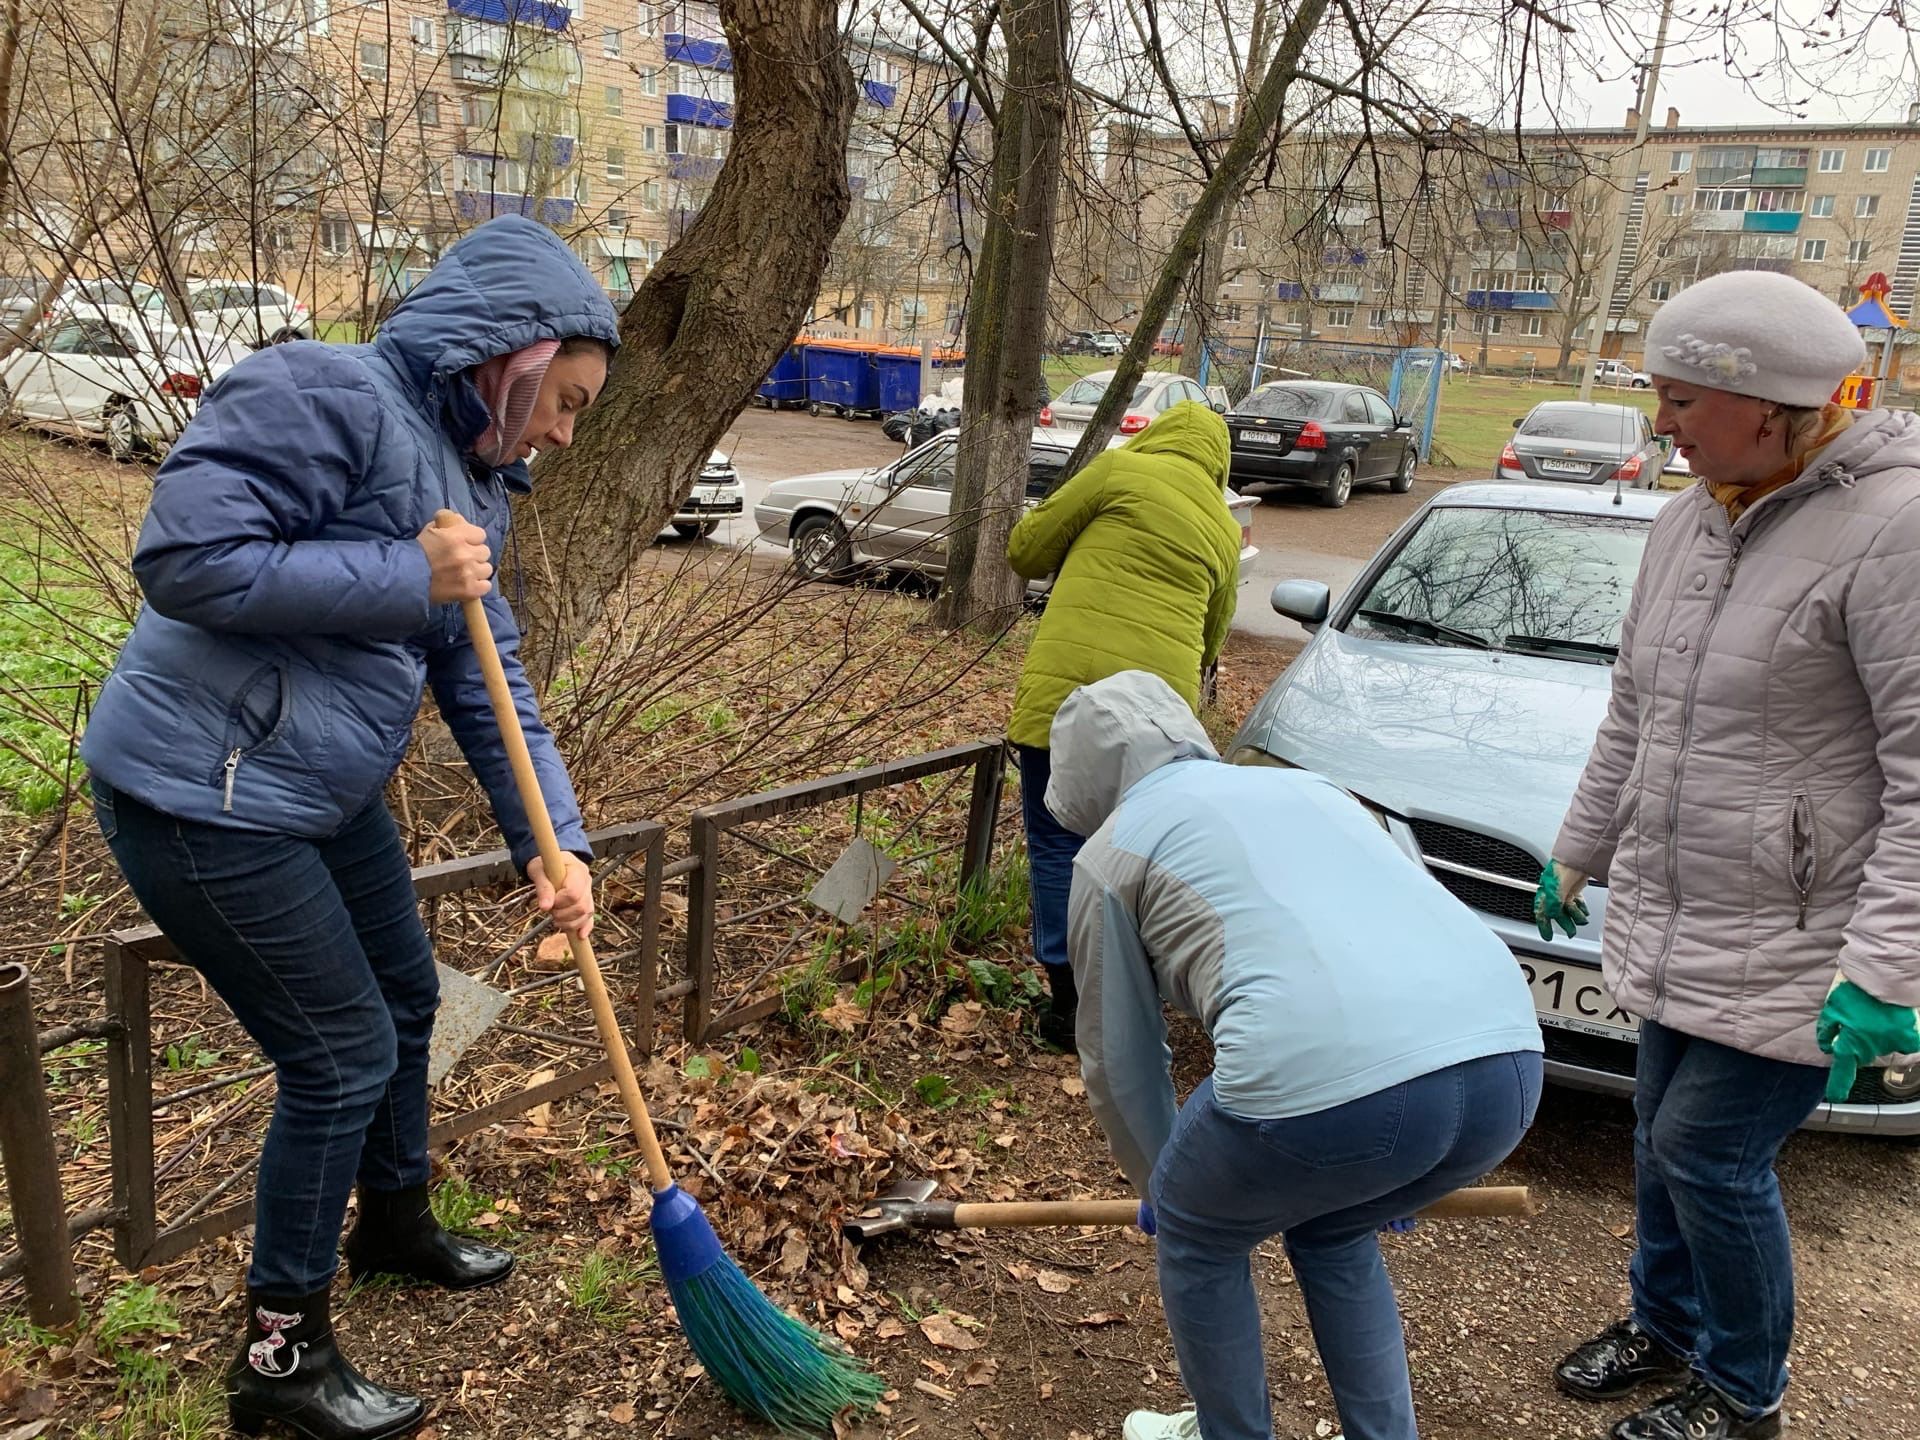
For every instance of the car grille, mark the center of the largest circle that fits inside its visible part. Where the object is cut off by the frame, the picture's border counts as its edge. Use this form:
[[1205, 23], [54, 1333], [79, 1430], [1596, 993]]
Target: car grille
[[1616, 1057], [1455, 846]]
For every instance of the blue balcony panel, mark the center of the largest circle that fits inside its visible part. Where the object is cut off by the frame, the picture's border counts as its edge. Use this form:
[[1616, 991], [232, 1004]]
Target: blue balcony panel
[[693, 167], [878, 94], [513, 12], [698, 110], [1289, 290], [1509, 300], [485, 205], [712, 54]]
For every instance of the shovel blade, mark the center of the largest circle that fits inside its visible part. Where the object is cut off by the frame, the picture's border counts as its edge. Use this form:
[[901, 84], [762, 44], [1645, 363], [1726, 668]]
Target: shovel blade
[[467, 1008]]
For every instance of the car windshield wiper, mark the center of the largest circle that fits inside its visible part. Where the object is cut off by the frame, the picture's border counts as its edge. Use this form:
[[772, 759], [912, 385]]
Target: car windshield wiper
[[1430, 629], [1591, 650]]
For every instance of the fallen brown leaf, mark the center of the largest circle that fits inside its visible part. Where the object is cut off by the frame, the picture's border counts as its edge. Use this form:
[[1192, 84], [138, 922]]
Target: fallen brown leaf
[[1073, 1085], [621, 1414], [890, 1329], [980, 1372], [1101, 1318], [1053, 1282], [942, 1331]]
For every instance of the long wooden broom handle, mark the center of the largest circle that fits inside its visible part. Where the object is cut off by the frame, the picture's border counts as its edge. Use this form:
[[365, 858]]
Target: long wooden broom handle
[[1477, 1200], [554, 861]]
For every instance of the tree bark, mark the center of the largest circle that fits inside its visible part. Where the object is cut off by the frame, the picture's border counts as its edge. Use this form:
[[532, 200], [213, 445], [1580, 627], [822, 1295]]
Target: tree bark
[[1006, 320], [1228, 180], [1203, 297], [705, 326]]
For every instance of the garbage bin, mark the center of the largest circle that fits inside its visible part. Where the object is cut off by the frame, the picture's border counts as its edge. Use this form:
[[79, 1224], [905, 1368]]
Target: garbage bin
[[841, 378], [899, 378], [786, 383]]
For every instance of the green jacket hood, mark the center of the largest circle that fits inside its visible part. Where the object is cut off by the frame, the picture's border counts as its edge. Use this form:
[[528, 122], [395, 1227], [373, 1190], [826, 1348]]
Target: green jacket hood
[[1188, 431]]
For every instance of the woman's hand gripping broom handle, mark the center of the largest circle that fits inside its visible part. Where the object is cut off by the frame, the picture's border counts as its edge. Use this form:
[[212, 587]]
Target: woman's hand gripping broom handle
[[555, 861]]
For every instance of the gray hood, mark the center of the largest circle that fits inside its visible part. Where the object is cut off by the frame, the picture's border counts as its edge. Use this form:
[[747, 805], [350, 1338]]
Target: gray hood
[[1109, 735]]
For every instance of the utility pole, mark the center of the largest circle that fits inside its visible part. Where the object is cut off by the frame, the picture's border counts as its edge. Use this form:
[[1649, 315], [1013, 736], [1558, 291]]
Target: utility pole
[[1616, 242]]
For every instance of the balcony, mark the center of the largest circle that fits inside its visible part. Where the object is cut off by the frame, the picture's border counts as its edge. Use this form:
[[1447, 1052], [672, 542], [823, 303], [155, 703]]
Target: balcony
[[876, 93], [711, 54], [1494, 218], [698, 110], [1509, 300], [1780, 175], [485, 205], [554, 150], [1776, 222], [514, 12], [1289, 290], [693, 167], [1718, 219], [1557, 219], [1344, 256], [964, 112], [1337, 294]]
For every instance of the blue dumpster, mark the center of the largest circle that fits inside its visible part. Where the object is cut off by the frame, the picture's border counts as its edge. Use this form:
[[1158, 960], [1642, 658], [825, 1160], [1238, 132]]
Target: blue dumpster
[[841, 379], [786, 383], [899, 379]]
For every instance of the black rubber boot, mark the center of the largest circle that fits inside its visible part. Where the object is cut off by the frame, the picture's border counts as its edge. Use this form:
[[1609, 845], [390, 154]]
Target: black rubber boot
[[1058, 1019], [290, 1372], [1616, 1362], [1698, 1412], [396, 1234]]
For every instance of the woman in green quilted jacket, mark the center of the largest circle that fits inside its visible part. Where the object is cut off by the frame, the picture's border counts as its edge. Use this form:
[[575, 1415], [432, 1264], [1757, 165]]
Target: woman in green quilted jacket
[[1148, 560]]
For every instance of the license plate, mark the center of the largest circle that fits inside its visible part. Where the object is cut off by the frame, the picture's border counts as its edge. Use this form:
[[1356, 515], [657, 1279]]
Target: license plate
[[1564, 467], [1572, 998], [1261, 437]]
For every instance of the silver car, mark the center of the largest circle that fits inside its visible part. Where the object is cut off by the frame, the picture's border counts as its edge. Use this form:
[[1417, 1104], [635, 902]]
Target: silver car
[[1158, 391], [841, 524], [1455, 690], [1584, 443], [716, 496]]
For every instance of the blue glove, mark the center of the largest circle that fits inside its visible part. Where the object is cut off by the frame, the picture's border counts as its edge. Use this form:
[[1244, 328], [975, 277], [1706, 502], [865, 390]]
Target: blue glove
[[1397, 1227], [1145, 1219]]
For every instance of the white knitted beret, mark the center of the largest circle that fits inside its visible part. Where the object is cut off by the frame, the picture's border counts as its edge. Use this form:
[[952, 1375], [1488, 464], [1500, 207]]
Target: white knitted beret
[[1755, 333]]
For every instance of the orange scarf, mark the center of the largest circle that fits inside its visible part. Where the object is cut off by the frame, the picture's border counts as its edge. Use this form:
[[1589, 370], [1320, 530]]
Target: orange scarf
[[1741, 498]]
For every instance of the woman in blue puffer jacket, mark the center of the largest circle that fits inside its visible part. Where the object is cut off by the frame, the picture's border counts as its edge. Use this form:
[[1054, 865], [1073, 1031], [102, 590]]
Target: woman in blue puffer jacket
[[298, 601]]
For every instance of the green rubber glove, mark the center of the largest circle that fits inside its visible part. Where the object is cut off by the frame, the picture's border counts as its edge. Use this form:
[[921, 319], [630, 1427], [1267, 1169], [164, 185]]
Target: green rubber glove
[[1558, 901], [1856, 1029]]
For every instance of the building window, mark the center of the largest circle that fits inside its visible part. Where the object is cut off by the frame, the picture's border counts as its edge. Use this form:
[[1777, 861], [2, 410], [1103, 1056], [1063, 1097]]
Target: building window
[[1679, 162], [649, 82], [1339, 318], [649, 139], [1486, 324], [616, 101], [426, 109], [1238, 239], [422, 31], [478, 112], [1813, 249], [373, 60], [1376, 319], [1858, 250], [1865, 207], [1820, 207], [1533, 325], [616, 219], [610, 44], [1660, 290], [912, 313], [616, 164], [336, 237], [1876, 160], [865, 320], [493, 173], [1676, 203], [376, 134], [1832, 162], [318, 15], [649, 20], [436, 179], [650, 195]]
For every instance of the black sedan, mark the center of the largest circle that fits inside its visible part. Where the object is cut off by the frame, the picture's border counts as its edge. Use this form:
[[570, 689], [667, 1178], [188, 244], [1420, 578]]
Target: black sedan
[[1323, 436]]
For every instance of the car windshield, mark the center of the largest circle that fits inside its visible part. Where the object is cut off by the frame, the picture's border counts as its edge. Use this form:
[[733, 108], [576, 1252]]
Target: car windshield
[[1535, 581], [1597, 426], [1288, 402]]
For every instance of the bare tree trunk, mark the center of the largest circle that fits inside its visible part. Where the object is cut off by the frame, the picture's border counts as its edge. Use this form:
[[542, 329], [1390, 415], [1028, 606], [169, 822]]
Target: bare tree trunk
[[9, 52], [706, 325], [1203, 297], [1006, 319], [1216, 199]]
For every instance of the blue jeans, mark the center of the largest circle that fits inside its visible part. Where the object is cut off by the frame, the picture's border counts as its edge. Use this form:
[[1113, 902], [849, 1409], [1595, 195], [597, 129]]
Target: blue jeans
[[317, 948], [1325, 1182], [1050, 851], [1713, 1277]]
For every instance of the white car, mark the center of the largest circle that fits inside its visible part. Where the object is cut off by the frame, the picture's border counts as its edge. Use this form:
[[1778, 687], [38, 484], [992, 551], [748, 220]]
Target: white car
[[715, 496], [1618, 372], [250, 311], [120, 302], [134, 386], [1073, 407]]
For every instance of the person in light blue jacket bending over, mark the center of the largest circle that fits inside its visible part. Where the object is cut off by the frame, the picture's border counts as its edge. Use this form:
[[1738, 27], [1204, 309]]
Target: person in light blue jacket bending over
[[1374, 1045]]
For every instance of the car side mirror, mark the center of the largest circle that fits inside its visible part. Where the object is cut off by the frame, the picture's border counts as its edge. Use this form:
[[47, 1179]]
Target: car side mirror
[[1518, 423], [1219, 408], [1304, 600], [1403, 422]]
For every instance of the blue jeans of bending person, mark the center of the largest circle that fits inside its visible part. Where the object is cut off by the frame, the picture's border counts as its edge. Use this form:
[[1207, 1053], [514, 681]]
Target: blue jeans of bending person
[[1050, 851], [1325, 1183], [317, 948], [1713, 1275]]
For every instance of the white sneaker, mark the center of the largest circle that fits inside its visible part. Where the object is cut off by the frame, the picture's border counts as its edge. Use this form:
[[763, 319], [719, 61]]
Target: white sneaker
[[1152, 1425]]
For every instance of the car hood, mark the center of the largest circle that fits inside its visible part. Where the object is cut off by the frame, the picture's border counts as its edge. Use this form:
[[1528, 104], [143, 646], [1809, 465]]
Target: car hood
[[822, 484], [1495, 742]]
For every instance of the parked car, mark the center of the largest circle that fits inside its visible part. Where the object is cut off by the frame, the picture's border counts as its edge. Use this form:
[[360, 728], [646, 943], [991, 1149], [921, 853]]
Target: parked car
[[1455, 690], [716, 495], [1165, 346], [1321, 435], [1618, 372], [134, 386], [1093, 342], [1455, 363], [249, 311], [1583, 443], [19, 302], [120, 302], [1158, 390], [842, 524]]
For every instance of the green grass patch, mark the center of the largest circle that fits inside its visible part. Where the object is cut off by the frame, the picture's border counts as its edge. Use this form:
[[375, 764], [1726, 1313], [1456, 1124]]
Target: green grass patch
[[1477, 413], [607, 1283]]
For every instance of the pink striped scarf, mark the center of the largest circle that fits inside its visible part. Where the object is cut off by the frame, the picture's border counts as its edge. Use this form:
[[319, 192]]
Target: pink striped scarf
[[509, 384]]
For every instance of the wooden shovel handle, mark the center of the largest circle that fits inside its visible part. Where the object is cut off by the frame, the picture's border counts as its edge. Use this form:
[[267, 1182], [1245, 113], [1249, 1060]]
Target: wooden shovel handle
[[1475, 1201], [554, 861]]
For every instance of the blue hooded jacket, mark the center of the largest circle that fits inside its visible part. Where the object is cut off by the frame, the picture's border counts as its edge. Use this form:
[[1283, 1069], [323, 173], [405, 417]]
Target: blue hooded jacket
[[272, 679]]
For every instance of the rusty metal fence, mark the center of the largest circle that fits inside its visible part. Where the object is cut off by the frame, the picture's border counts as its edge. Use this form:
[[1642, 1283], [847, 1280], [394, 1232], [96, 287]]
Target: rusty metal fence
[[152, 1218]]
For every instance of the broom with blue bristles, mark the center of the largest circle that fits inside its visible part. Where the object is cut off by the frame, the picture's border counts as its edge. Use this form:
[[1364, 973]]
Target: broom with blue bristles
[[766, 1362]]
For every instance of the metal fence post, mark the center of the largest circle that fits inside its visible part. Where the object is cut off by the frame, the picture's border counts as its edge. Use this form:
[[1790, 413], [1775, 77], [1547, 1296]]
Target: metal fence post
[[130, 1101], [703, 895], [983, 816], [33, 1166]]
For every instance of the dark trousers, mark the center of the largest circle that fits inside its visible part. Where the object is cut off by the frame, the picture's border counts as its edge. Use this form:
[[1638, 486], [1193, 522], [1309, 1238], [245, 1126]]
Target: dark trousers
[[1713, 1277], [1050, 851], [317, 948]]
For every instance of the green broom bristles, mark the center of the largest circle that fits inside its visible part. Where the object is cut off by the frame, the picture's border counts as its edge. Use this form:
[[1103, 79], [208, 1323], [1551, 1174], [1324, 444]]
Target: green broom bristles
[[766, 1362]]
